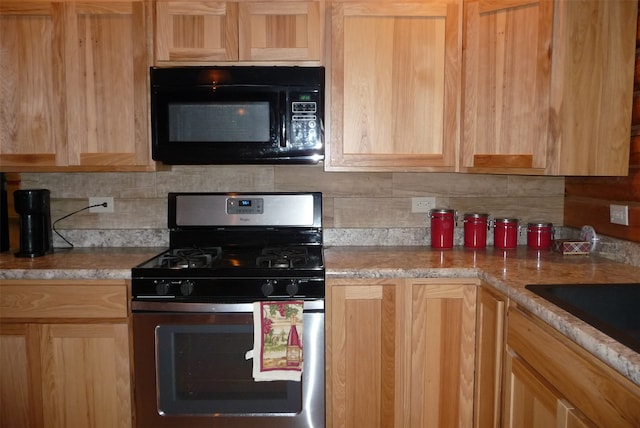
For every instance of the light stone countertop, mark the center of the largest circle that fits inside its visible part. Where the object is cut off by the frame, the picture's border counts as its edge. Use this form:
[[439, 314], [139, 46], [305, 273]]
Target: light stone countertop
[[508, 271], [77, 263]]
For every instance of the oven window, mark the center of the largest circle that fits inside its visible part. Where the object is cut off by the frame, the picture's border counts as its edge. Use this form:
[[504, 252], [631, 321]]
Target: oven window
[[220, 122], [202, 370]]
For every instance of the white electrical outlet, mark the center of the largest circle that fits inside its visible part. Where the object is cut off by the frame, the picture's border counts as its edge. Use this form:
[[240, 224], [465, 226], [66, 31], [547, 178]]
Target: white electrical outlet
[[101, 200], [423, 204], [619, 214]]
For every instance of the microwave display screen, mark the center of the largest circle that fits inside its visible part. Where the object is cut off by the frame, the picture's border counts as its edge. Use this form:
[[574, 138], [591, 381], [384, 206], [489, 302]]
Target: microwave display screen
[[221, 121]]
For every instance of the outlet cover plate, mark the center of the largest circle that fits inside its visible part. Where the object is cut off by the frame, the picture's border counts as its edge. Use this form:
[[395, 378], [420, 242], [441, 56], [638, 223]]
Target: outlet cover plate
[[619, 214], [423, 204], [100, 200]]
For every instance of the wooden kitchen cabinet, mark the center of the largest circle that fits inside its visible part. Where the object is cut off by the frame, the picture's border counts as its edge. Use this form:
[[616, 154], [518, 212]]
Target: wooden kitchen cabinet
[[229, 31], [534, 403], [548, 86], [400, 352], [64, 352], [74, 93], [395, 85], [551, 381], [490, 327]]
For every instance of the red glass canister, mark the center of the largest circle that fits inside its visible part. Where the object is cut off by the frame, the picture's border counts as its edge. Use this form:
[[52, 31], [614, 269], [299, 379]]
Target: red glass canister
[[442, 225], [505, 233], [475, 230], [539, 235]]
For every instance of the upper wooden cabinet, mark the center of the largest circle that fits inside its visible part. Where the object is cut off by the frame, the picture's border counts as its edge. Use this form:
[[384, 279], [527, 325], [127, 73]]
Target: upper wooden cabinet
[[395, 80], [548, 86], [209, 31], [74, 92]]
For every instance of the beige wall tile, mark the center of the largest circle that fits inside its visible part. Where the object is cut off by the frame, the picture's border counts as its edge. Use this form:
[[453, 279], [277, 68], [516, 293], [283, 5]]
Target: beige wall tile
[[216, 178], [547, 208], [376, 212], [449, 184], [314, 179], [359, 200], [85, 185], [531, 186]]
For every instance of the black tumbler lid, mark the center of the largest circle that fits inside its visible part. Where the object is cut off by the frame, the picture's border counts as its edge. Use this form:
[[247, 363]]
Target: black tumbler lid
[[31, 201]]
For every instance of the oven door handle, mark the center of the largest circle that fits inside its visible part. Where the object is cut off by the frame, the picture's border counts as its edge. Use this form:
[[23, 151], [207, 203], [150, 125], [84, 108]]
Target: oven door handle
[[168, 306]]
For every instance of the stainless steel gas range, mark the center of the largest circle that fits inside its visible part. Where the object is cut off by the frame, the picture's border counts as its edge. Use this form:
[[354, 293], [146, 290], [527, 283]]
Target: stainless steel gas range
[[193, 311]]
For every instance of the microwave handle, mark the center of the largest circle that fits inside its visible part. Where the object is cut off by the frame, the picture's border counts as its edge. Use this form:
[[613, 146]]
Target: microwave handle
[[283, 130]]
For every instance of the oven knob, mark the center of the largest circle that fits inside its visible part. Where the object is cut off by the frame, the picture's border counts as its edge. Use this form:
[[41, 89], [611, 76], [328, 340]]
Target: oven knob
[[162, 287], [268, 287], [293, 287], [186, 288]]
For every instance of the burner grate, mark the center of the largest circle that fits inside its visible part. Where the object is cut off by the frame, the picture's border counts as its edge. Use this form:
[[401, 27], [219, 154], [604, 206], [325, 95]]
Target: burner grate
[[182, 258], [282, 257]]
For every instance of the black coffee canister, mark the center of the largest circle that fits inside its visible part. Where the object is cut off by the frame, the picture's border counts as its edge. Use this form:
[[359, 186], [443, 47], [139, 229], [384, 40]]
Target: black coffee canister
[[34, 209]]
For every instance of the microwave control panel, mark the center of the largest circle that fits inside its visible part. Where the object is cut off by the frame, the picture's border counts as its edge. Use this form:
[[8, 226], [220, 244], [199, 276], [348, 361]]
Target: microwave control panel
[[305, 122]]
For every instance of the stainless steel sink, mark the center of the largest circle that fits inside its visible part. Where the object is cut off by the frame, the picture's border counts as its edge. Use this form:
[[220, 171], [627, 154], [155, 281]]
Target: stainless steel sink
[[613, 309]]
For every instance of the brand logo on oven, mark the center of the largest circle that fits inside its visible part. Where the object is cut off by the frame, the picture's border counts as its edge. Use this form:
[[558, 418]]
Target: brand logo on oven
[[244, 219]]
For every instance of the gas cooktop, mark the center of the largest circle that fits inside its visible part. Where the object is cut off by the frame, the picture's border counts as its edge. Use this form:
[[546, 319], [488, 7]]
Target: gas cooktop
[[239, 247]]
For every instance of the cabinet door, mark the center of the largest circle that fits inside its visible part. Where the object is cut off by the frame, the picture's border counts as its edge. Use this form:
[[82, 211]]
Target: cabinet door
[[507, 73], [190, 31], [362, 377], [281, 30], [193, 31], [529, 402], [489, 358], [533, 403], [440, 357], [400, 353], [74, 93], [106, 80], [32, 96], [394, 86], [20, 387], [86, 366]]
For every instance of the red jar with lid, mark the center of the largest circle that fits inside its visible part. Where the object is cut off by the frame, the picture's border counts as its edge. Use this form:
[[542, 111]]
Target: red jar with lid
[[539, 235], [475, 230], [442, 226], [505, 233]]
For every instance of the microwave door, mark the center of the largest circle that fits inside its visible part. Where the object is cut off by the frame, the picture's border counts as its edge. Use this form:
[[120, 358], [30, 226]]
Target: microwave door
[[223, 126]]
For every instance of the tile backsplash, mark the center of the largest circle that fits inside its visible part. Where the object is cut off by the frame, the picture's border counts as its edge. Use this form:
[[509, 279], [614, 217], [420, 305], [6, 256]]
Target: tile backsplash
[[350, 200], [358, 208]]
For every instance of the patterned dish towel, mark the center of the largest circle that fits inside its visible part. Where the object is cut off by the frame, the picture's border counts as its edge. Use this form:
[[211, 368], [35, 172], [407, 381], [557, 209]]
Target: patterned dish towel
[[277, 341]]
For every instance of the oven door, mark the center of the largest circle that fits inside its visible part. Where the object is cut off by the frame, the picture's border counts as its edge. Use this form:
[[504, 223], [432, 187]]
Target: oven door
[[190, 369]]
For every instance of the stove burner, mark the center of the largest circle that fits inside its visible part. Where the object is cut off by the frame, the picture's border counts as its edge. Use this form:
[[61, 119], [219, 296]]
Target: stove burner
[[282, 257], [182, 258]]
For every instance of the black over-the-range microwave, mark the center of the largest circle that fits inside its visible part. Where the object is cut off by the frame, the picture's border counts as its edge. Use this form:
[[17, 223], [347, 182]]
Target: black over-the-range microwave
[[237, 115]]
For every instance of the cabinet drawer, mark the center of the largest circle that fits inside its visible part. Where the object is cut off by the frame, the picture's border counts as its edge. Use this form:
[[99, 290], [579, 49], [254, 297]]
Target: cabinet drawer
[[31, 299], [598, 391]]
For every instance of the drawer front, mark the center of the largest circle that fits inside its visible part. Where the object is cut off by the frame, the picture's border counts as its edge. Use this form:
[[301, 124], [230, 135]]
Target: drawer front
[[30, 299]]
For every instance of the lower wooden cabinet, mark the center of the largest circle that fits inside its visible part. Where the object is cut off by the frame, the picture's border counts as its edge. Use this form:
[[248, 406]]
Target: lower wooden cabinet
[[400, 352], [552, 382], [533, 402], [64, 354], [490, 324]]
